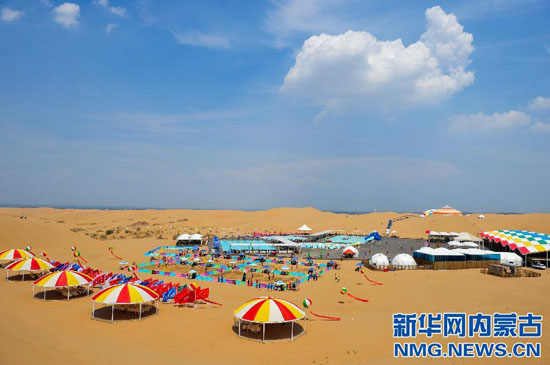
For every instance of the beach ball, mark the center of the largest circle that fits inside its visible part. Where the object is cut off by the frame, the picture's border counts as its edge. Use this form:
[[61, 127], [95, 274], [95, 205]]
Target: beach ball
[[28, 248], [307, 303], [44, 253], [76, 254], [362, 271], [73, 248], [343, 290], [111, 248]]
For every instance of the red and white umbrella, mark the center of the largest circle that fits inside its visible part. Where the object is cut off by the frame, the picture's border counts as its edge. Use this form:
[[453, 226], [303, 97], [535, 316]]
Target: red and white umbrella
[[15, 254]]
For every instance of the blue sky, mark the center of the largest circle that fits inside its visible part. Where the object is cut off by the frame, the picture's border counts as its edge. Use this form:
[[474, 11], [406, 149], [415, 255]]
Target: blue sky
[[341, 105]]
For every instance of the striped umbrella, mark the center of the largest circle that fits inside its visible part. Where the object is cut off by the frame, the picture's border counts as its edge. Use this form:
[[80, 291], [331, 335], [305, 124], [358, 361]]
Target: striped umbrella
[[125, 294], [15, 254], [524, 241], [63, 279], [269, 310], [30, 264]]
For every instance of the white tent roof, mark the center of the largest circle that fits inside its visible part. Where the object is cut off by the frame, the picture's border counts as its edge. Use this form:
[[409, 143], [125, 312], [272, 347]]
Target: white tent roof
[[196, 236], [462, 244], [183, 237], [379, 260], [355, 251], [481, 216], [510, 258], [403, 259], [441, 251], [466, 236], [304, 228]]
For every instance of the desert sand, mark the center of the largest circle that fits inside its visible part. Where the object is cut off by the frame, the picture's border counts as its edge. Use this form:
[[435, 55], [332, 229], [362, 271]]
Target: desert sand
[[62, 331]]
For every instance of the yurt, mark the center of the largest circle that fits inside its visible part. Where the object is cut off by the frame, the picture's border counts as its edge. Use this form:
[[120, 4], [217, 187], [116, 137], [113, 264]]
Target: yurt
[[350, 251], [269, 319], [403, 261], [379, 260]]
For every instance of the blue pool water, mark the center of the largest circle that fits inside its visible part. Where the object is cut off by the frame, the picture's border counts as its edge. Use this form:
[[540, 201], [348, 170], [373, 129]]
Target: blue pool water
[[246, 245], [348, 239]]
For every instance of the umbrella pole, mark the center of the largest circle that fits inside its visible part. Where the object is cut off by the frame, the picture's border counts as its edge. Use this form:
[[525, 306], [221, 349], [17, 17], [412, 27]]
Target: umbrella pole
[[263, 334], [140, 311], [93, 310], [44, 294], [113, 313], [239, 328], [68, 292], [292, 332]]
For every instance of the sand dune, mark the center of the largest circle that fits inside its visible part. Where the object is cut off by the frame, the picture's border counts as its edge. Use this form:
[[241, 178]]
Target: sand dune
[[33, 331]]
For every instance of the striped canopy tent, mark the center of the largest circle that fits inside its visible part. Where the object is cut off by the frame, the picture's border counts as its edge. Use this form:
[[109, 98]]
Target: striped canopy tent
[[523, 241], [31, 265], [127, 296], [62, 280], [268, 311], [15, 254], [446, 210]]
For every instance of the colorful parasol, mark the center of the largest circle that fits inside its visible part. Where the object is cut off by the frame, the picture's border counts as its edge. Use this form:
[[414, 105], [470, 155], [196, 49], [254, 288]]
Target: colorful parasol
[[30, 264], [269, 310], [126, 294], [524, 241], [15, 254], [63, 279]]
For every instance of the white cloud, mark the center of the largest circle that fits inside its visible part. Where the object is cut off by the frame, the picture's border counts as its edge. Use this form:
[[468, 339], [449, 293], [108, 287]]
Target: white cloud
[[110, 27], [305, 16], [354, 68], [199, 39], [117, 10], [67, 14], [540, 103], [493, 123], [540, 127], [9, 15]]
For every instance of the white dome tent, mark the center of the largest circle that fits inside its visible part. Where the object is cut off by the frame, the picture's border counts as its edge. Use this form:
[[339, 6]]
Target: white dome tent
[[350, 251], [403, 261], [379, 260]]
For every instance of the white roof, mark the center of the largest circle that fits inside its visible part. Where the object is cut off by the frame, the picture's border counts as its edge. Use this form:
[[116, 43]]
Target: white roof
[[304, 228], [510, 257], [474, 251], [196, 236], [462, 244], [466, 236], [441, 251], [355, 251], [183, 237], [379, 260], [284, 242], [403, 259]]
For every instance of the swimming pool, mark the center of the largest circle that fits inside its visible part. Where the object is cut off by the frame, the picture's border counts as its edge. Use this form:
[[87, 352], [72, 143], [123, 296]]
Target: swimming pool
[[246, 245], [348, 239]]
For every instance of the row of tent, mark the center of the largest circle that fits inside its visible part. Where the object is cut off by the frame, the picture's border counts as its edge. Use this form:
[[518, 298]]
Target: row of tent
[[188, 237], [406, 261]]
